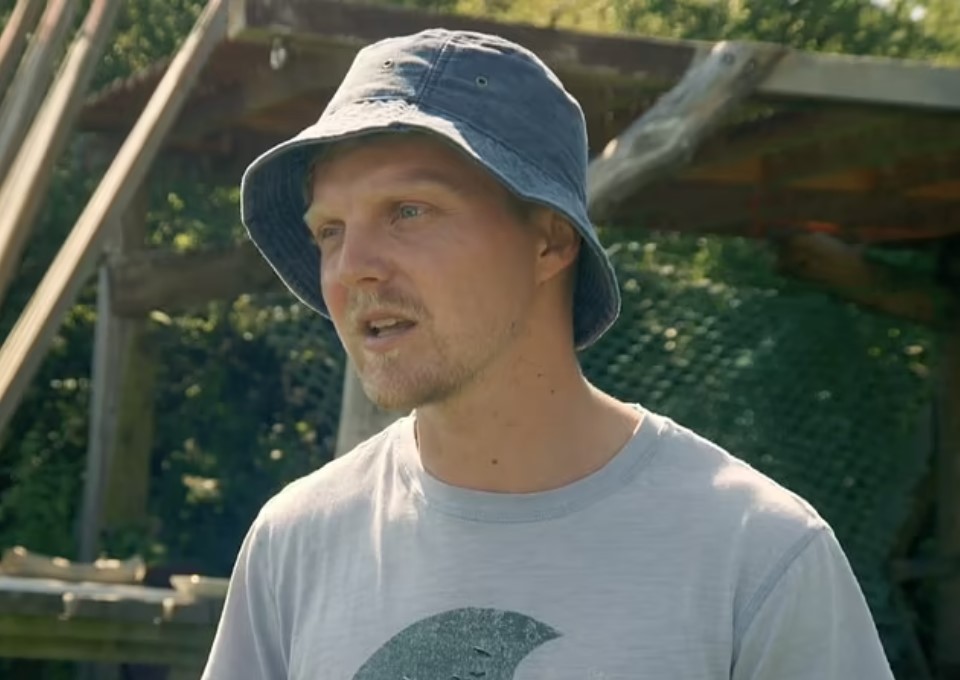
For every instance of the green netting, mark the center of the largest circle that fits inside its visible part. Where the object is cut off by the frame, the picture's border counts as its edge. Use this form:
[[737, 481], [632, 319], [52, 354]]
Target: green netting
[[820, 395]]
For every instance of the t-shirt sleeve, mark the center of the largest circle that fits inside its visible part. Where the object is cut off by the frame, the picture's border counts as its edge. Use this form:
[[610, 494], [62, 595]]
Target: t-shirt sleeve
[[810, 621], [248, 642]]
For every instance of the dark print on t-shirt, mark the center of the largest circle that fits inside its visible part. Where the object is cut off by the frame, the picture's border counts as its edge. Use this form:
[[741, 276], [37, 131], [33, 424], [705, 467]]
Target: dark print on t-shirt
[[461, 644]]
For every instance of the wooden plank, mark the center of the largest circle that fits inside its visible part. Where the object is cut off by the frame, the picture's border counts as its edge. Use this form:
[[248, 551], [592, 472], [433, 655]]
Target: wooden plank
[[129, 603], [947, 462], [759, 211], [160, 279], [27, 343], [104, 640], [25, 94], [360, 418], [791, 148], [865, 80], [665, 138], [798, 76], [25, 186], [657, 63], [15, 603], [121, 405], [21, 22], [916, 145], [301, 73], [843, 271]]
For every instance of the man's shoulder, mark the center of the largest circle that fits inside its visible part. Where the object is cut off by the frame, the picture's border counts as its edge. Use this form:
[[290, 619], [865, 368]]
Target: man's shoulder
[[339, 486], [720, 486], [736, 519]]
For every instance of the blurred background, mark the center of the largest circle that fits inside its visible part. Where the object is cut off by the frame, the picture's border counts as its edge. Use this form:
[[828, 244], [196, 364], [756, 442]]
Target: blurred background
[[241, 393]]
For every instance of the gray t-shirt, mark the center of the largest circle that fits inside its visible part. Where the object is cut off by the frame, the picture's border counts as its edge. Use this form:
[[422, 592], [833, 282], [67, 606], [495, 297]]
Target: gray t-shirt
[[675, 560]]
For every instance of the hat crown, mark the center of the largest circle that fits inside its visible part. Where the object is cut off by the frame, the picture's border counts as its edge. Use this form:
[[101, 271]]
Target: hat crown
[[499, 88]]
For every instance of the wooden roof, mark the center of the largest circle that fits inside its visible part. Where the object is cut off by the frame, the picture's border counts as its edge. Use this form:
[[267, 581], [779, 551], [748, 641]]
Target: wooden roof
[[868, 149]]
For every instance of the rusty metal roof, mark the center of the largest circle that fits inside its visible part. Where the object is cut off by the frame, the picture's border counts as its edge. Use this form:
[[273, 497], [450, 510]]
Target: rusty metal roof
[[867, 149]]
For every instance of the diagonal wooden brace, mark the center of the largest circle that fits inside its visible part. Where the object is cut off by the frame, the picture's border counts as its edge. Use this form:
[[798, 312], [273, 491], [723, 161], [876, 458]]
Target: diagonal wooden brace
[[666, 137]]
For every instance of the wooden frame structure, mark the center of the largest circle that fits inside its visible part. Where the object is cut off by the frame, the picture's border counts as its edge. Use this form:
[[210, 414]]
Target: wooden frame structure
[[816, 154]]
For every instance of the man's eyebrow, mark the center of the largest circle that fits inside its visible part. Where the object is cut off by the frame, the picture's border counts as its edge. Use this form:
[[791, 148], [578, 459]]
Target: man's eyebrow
[[424, 176], [431, 176]]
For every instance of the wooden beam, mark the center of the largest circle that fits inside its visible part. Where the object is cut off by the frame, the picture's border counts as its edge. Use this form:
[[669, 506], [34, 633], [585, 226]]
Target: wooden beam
[[842, 270], [25, 186], [865, 80], [119, 639], [758, 211], [795, 146], [121, 405], [161, 279], [666, 137], [360, 418], [947, 461], [27, 343], [798, 76], [22, 100], [300, 73], [657, 63], [14, 38], [877, 149], [145, 281]]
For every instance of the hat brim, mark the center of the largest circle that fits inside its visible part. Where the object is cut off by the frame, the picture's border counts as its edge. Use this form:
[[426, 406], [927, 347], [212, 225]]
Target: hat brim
[[273, 203]]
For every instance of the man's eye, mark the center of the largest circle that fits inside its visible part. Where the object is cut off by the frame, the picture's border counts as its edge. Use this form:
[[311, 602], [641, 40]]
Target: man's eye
[[329, 231], [408, 211]]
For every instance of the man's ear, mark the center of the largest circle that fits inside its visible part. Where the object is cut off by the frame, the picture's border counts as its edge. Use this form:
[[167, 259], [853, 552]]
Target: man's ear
[[558, 243]]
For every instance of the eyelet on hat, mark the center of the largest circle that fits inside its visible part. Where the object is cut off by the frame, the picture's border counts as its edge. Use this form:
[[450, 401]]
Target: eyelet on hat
[[387, 63], [482, 81]]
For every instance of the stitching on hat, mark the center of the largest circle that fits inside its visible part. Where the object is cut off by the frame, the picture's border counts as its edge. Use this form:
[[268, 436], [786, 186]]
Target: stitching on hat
[[447, 114], [439, 63]]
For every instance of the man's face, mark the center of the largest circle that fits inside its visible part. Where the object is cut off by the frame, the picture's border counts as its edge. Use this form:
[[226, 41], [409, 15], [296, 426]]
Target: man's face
[[427, 269]]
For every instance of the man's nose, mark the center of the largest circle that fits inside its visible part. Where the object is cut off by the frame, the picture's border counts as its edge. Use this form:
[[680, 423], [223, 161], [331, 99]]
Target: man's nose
[[362, 258]]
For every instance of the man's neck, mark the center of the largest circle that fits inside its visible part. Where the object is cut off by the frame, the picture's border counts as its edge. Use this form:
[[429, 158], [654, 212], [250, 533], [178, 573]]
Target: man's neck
[[539, 428]]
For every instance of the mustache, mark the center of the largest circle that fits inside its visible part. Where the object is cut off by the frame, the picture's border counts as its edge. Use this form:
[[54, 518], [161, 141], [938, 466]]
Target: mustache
[[390, 301]]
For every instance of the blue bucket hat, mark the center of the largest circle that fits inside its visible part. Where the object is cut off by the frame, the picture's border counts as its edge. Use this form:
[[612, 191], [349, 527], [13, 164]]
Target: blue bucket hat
[[491, 98]]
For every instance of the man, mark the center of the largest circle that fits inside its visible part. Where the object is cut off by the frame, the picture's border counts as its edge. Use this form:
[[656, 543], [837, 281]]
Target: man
[[518, 523]]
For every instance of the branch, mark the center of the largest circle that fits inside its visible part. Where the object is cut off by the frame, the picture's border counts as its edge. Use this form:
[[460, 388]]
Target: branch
[[843, 271], [666, 137]]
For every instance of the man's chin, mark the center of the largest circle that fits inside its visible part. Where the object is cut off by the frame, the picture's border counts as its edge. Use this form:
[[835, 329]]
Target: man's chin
[[399, 398], [389, 397]]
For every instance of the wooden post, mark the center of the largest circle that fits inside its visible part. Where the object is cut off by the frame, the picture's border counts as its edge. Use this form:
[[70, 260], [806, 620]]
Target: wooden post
[[121, 404], [948, 506], [30, 338], [25, 186], [21, 22], [360, 418], [21, 103], [117, 478], [843, 271]]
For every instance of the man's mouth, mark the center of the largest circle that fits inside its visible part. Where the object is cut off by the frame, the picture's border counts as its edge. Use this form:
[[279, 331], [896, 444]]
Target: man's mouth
[[386, 327]]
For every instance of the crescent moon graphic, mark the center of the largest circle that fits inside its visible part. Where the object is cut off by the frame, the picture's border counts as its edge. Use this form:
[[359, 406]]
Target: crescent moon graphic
[[464, 643]]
